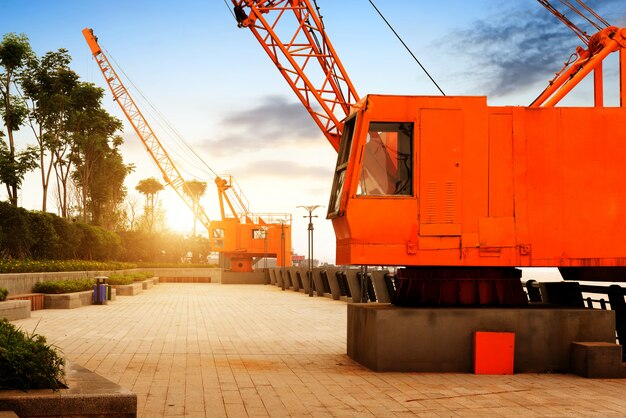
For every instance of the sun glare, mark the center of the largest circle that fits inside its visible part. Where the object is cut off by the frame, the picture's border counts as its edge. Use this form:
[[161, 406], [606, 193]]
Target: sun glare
[[179, 217]]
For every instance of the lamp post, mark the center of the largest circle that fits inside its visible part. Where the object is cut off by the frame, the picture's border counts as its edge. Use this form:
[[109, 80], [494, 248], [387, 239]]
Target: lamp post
[[282, 250], [310, 209], [265, 272]]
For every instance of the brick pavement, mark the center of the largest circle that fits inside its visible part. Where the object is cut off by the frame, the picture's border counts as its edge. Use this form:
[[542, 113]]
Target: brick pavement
[[230, 350]]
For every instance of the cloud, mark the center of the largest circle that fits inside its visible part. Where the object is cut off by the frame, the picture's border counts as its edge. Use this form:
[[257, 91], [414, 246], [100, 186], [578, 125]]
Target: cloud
[[522, 46], [275, 122], [286, 170]]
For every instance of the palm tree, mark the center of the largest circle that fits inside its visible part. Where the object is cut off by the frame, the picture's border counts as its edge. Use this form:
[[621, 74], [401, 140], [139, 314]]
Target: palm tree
[[149, 187], [195, 190]]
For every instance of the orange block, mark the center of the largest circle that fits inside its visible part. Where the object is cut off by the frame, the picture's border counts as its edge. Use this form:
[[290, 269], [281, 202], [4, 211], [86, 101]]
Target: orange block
[[494, 352]]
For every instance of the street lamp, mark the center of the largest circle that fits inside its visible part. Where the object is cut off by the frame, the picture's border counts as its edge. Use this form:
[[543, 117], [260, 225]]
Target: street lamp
[[265, 272], [282, 250], [310, 209]]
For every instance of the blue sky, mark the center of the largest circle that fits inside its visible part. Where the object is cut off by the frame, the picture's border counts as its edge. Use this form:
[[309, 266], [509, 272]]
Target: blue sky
[[214, 83]]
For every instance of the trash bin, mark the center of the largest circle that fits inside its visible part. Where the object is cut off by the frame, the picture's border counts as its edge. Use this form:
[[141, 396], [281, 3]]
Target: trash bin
[[100, 290]]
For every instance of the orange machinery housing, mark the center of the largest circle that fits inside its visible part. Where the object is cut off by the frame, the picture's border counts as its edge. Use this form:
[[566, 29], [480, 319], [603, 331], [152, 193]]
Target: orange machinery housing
[[450, 181], [453, 189]]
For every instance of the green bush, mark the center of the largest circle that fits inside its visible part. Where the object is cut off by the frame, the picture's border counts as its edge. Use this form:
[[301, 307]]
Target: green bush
[[46, 238], [3, 294], [64, 286], [119, 279], [17, 237], [27, 361], [70, 238], [128, 278]]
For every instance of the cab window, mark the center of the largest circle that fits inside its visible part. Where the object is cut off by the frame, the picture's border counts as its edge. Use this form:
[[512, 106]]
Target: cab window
[[387, 160], [342, 165]]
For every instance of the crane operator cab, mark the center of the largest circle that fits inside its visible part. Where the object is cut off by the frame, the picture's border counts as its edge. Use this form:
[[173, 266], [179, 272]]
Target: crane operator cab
[[462, 193]]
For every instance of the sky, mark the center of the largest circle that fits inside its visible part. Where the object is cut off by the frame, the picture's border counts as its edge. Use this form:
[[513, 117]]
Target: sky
[[214, 84]]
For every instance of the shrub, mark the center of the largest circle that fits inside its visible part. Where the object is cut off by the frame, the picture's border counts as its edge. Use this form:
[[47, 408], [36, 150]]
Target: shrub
[[17, 237], [3, 294], [70, 238], [119, 279], [27, 361], [46, 238], [29, 266], [64, 286], [128, 278]]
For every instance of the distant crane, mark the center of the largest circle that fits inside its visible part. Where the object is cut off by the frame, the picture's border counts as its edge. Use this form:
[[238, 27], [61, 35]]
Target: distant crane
[[240, 235]]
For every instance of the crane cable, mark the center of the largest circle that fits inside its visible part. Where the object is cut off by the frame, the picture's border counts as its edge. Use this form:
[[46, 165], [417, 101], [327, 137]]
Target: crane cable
[[168, 125], [581, 14], [599, 25], [230, 9], [407, 48]]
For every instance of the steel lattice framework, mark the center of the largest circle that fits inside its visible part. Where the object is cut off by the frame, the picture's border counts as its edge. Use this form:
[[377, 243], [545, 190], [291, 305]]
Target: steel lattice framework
[[304, 56], [170, 173]]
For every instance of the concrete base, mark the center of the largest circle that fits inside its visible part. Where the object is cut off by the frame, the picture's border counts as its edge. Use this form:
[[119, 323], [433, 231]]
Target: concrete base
[[68, 300], [231, 277], [597, 360], [87, 395], [388, 338], [15, 309]]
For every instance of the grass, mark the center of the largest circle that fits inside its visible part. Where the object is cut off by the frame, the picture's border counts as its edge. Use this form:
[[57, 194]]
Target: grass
[[3, 294]]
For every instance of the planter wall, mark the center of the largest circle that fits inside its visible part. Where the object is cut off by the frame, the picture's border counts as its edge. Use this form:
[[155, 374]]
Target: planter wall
[[36, 300], [128, 289], [15, 309], [68, 300], [87, 395], [22, 283]]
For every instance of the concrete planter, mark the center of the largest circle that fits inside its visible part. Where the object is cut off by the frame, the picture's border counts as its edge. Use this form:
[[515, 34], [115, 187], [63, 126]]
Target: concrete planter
[[87, 395], [15, 309], [128, 289], [68, 300], [147, 284]]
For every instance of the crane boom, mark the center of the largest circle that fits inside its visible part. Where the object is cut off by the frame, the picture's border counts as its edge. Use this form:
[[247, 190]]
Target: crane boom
[[168, 169], [305, 57]]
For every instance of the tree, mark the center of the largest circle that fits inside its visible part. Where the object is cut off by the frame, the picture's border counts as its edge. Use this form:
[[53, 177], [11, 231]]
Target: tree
[[99, 171], [49, 84], [107, 191], [14, 52], [150, 188], [14, 167], [195, 189], [89, 130]]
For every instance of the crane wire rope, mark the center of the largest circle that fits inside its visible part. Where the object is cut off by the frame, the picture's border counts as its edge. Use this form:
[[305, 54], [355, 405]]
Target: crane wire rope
[[593, 13], [580, 13], [578, 31], [168, 126], [407, 48], [230, 10]]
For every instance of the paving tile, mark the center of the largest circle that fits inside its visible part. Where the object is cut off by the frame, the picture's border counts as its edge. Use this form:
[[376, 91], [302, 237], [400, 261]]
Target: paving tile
[[233, 351]]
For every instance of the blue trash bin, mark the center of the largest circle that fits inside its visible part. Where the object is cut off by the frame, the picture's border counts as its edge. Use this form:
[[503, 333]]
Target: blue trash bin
[[100, 291]]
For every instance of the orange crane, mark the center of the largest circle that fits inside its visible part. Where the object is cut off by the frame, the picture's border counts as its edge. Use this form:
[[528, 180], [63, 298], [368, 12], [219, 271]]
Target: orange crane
[[240, 236], [458, 192]]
